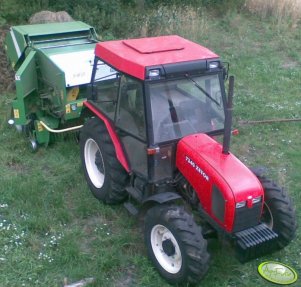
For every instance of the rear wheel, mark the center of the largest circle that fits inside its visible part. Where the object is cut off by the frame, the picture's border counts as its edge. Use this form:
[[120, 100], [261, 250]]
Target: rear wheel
[[175, 244], [278, 212], [104, 174]]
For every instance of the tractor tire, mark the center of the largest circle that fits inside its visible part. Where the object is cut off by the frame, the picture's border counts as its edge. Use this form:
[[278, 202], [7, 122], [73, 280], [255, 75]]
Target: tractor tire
[[104, 174], [278, 212], [175, 244]]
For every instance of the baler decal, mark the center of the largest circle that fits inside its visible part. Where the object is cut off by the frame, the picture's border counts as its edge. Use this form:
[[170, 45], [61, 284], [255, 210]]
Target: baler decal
[[16, 114], [68, 110]]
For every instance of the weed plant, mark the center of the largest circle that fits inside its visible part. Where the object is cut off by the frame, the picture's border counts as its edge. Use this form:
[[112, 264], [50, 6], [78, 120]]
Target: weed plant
[[281, 10]]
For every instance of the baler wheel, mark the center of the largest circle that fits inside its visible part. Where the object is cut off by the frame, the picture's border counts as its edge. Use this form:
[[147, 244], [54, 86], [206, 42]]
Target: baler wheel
[[104, 174], [33, 144], [175, 244], [278, 212]]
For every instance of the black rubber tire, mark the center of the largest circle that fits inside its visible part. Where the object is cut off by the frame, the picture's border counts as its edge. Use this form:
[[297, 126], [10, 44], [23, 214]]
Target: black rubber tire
[[188, 235], [112, 190], [278, 212]]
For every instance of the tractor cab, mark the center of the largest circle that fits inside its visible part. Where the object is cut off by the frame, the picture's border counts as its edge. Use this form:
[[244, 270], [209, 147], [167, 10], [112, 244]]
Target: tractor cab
[[159, 90]]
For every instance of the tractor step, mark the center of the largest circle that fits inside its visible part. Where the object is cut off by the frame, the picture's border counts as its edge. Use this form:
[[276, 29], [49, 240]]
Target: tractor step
[[254, 242], [131, 208], [134, 193]]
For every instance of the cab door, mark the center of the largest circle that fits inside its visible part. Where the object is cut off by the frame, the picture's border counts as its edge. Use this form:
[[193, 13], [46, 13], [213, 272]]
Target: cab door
[[130, 123]]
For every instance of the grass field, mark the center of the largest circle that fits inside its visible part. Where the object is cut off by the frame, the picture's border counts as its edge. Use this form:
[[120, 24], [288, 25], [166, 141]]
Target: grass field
[[52, 230]]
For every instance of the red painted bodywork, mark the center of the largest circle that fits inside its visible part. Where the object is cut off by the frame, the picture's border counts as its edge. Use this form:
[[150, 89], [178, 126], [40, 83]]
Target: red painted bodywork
[[134, 55], [114, 137], [200, 159]]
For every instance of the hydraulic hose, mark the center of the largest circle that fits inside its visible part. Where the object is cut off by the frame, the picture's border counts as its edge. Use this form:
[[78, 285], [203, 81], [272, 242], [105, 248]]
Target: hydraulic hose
[[60, 131]]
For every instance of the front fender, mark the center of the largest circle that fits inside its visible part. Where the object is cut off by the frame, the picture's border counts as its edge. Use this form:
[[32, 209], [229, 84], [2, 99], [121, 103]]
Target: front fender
[[162, 198]]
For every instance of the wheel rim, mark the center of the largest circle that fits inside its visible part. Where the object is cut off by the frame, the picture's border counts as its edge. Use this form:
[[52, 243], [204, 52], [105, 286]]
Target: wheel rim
[[267, 216], [166, 249], [94, 163]]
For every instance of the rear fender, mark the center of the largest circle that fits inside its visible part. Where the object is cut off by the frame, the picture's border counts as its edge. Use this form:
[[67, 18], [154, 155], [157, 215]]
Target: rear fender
[[114, 137]]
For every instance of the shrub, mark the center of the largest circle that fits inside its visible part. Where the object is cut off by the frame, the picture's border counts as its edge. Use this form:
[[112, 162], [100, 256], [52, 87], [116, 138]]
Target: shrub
[[280, 9]]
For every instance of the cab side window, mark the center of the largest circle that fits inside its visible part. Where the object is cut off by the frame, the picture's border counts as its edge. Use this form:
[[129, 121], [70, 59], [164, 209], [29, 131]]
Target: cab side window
[[105, 89], [130, 114]]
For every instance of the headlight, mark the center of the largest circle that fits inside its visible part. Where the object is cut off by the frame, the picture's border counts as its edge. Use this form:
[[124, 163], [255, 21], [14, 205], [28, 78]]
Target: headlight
[[248, 202], [241, 204], [256, 199], [214, 65], [154, 73]]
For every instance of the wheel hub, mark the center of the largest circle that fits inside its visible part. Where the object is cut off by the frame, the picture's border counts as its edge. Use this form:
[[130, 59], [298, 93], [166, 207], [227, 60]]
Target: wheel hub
[[168, 247], [94, 163]]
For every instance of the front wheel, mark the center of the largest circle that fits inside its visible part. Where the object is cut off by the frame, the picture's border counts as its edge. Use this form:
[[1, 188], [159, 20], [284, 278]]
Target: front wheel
[[175, 244], [278, 212]]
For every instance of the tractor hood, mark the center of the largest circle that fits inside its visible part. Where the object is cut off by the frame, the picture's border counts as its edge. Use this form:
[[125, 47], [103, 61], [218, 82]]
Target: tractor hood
[[224, 185]]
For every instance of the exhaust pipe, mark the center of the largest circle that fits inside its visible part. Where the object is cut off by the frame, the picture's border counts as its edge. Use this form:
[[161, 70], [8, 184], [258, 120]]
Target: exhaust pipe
[[228, 117]]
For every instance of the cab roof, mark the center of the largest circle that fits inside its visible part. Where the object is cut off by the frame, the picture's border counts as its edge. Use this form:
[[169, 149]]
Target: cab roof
[[133, 56]]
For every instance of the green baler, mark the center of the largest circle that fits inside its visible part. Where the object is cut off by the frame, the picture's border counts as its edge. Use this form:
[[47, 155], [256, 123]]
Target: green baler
[[53, 64]]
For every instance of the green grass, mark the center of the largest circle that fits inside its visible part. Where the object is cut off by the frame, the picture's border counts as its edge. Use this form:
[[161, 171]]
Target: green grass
[[52, 229]]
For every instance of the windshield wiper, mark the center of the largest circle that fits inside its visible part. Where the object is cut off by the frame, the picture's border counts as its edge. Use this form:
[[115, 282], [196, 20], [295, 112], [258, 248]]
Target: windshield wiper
[[202, 90]]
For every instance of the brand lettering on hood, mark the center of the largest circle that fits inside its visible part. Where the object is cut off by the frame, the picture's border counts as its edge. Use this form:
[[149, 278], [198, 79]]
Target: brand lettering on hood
[[197, 168]]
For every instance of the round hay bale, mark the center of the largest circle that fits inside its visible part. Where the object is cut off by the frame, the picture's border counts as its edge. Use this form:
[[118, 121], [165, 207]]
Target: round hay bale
[[63, 16], [50, 17]]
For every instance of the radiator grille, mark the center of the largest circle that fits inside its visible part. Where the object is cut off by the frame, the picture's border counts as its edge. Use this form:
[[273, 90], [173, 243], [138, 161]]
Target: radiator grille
[[247, 217]]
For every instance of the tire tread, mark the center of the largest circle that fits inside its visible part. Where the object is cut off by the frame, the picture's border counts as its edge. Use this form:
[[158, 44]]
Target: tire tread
[[190, 235], [281, 205], [116, 193]]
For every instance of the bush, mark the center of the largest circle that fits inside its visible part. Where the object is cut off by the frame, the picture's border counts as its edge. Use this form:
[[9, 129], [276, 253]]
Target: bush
[[280, 9], [118, 18], [134, 18]]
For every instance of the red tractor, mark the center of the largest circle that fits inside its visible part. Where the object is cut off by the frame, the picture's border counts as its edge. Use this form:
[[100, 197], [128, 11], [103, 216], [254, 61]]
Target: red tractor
[[150, 142]]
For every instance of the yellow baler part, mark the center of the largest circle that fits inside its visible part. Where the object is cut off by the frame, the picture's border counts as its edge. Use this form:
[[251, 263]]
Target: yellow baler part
[[73, 94]]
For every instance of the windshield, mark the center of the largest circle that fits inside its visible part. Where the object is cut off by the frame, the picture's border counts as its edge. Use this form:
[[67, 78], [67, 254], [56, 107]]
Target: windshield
[[186, 106]]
